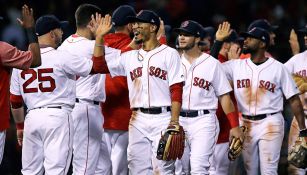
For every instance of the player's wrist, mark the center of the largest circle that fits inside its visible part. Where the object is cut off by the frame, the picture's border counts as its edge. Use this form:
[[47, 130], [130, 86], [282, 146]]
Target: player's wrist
[[233, 119], [20, 126], [32, 38]]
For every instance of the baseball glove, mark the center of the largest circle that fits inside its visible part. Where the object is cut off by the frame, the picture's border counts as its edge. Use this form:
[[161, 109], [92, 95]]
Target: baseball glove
[[171, 144], [298, 154], [236, 146]]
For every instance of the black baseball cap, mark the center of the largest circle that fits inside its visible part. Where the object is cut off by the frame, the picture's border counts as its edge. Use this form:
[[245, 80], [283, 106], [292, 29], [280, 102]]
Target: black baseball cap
[[208, 32], [234, 37], [121, 14], [190, 27], [258, 33], [264, 24], [146, 16], [46, 23], [303, 30]]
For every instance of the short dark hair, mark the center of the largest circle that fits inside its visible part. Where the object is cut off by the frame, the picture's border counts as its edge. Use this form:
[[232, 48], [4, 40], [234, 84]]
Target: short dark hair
[[84, 12]]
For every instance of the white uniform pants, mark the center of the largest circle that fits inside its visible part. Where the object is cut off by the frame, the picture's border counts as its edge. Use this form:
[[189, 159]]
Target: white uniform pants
[[2, 143], [220, 161], [104, 166], [88, 139], [47, 142], [144, 134], [201, 133], [262, 144], [117, 142], [293, 134]]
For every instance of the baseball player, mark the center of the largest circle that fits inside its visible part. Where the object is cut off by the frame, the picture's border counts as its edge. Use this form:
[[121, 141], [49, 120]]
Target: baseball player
[[229, 49], [201, 92], [49, 94], [90, 155], [11, 57], [116, 109], [259, 85], [154, 80], [298, 65]]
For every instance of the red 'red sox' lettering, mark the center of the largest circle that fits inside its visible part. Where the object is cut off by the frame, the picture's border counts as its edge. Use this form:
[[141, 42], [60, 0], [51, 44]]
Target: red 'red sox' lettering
[[201, 83], [267, 85], [157, 72], [244, 83], [136, 73]]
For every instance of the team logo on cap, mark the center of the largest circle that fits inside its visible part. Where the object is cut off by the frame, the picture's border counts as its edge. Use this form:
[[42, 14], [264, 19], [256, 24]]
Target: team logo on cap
[[152, 20], [263, 37], [252, 30], [185, 24], [139, 13]]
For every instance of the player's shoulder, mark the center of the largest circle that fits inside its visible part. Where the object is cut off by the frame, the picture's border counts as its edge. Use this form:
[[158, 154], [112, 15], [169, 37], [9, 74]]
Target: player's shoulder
[[299, 57], [168, 50], [130, 53], [76, 43]]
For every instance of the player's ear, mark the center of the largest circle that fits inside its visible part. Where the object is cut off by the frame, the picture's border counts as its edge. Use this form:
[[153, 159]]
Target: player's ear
[[263, 45], [52, 34], [153, 28], [197, 40], [90, 24]]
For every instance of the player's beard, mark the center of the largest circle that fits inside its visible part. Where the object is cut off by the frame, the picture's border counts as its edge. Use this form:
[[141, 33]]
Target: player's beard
[[188, 46], [58, 40], [248, 50]]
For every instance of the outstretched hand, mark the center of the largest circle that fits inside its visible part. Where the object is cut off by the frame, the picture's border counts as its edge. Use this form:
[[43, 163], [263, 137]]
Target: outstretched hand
[[27, 19], [104, 25], [295, 47], [223, 31]]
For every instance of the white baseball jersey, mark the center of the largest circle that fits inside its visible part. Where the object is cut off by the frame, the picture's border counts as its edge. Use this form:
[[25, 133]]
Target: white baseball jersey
[[205, 81], [298, 65], [149, 75], [52, 83], [91, 87], [259, 89]]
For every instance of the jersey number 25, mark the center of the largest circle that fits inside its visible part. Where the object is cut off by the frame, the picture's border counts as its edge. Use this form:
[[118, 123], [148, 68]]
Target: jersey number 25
[[40, 77]]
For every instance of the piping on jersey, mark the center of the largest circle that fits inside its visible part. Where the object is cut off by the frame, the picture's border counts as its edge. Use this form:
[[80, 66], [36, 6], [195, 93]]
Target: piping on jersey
[[258, 82], [192, 78], [148, 72], [251, 89]]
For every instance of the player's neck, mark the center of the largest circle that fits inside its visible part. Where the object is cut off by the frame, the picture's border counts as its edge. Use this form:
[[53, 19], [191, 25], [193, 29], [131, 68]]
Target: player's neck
[[151, 44], [192, 54], [258, 57], [45, 42], [83, 32]]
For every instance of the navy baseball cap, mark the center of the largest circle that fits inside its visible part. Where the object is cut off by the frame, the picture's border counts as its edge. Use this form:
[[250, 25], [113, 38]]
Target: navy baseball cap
[[258, 33], [264, 24], [120, 15], [303, 30], [146, 16], [208, 32], [46, 23], [234, 37], [190, 27]]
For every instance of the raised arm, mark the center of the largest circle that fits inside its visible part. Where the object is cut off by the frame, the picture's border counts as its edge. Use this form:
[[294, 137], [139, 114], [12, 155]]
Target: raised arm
[[27, 21]]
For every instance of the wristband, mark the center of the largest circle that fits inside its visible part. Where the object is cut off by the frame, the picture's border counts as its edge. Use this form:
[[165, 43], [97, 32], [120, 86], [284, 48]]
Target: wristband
[[31, 35], [20, 126], [233, 119], [303, 133]]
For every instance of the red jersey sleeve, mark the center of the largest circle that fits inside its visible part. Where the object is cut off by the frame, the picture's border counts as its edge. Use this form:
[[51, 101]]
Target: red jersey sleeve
[[10, 56]]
